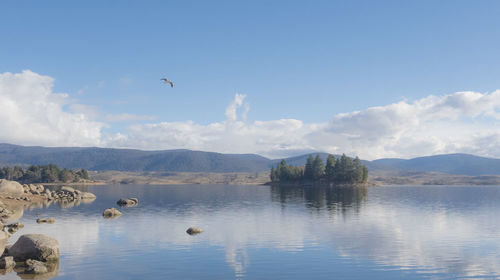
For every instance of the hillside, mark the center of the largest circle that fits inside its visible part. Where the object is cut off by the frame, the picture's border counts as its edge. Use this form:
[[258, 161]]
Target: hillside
[[132, 160], [464, 164], [100, 159]]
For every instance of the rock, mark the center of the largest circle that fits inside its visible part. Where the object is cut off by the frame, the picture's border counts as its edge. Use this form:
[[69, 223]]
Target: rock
[[13, 228], [127, 201], [67, 189], [87, 195], [10, 188], [7, 262], [45, 220], [35, 246], [35, 267], [4, 237], [47, 193], [194, 231], [135, 200], [111, 213]]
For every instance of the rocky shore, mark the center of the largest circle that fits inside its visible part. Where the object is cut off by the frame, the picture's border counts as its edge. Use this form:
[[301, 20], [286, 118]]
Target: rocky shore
[[32, 256]]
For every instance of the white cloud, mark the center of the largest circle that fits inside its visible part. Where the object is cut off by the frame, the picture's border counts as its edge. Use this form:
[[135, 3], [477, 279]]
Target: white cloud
[[33, 115], [231, 110], [432, 125], [460, 122]]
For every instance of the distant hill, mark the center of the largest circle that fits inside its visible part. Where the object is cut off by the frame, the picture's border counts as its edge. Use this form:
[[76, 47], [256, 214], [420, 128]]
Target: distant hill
[[464, 164], [100, 159], [132, 160]]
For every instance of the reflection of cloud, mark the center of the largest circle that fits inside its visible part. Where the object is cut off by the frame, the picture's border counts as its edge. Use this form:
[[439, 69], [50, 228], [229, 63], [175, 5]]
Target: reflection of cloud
[[80, 235], [391, 233], [408, 237]]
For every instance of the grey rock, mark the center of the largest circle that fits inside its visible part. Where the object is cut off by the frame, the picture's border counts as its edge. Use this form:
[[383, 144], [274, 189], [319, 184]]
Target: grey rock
[[127, 202], [194, 231], [111, 213], [35, 246], [10, 188]]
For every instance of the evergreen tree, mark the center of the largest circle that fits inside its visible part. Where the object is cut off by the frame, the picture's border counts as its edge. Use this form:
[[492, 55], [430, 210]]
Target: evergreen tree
[[330, 168], [308, 170], [364, 176], [273, 175], [318, 168], [358, 170]]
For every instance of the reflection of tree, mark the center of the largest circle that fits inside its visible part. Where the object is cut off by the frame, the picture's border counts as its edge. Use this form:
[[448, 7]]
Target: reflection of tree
[[333, 199]]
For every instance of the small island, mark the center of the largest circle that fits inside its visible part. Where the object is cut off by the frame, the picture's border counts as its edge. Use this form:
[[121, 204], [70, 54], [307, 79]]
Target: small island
[[337, 171]]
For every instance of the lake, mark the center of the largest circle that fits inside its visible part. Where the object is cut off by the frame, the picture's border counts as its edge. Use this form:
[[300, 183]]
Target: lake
[[264, 232]]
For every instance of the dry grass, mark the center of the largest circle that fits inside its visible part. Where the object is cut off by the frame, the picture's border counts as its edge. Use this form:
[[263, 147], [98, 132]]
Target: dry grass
[[166, 178]]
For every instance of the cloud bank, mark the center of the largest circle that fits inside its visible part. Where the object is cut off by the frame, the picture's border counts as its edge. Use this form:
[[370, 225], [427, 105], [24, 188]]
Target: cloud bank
[[32, 114], [467, 122]]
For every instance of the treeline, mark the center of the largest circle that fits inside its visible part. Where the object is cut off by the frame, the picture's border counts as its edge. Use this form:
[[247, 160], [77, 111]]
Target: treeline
[[343, 170], [43, 174]]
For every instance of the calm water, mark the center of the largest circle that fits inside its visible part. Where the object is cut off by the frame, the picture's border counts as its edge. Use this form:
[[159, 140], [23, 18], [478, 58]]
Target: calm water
[[262, 232]]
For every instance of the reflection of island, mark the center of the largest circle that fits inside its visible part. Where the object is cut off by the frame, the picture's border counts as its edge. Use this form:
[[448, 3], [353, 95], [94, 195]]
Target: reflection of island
[[333, 199]]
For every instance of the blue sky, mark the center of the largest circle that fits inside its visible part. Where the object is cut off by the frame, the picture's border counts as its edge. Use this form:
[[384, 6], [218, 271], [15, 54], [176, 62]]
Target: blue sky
[[302, 60]]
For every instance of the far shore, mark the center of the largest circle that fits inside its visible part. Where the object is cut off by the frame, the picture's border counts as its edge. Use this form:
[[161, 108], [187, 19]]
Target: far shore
[[376, 178]]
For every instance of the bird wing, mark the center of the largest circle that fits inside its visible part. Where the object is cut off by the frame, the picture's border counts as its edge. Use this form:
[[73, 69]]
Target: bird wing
[[171, 84]]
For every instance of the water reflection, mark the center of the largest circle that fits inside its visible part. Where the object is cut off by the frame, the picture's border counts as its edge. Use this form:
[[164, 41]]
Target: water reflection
[[261, 232], [332, 199]]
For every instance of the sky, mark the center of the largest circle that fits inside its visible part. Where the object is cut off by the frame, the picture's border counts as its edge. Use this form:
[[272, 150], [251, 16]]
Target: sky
[[277, 78]]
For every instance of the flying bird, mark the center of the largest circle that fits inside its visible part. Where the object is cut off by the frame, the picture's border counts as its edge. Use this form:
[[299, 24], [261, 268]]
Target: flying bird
[[168, 82]]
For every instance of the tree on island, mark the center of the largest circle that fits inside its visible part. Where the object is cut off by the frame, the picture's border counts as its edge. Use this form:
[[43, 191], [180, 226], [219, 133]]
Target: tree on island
[[343, 170]]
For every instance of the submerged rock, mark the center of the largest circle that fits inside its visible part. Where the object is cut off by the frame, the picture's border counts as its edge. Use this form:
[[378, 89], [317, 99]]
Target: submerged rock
[[128, 201], [45, 220], [111, 213], [10, 188], [194, 231], [35, 267], [35, 246]]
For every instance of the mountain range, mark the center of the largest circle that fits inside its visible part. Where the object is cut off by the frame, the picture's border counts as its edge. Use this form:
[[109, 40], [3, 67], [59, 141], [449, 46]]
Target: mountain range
[[100, 159]]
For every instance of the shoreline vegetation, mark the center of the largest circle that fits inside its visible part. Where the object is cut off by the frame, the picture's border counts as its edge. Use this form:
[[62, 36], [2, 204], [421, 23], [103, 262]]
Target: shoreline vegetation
[[376, 177], [49, 173], [343, 171]]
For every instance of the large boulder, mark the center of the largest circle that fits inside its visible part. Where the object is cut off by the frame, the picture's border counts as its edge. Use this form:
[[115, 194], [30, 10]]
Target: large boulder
[[35, 246], [10, 188]]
